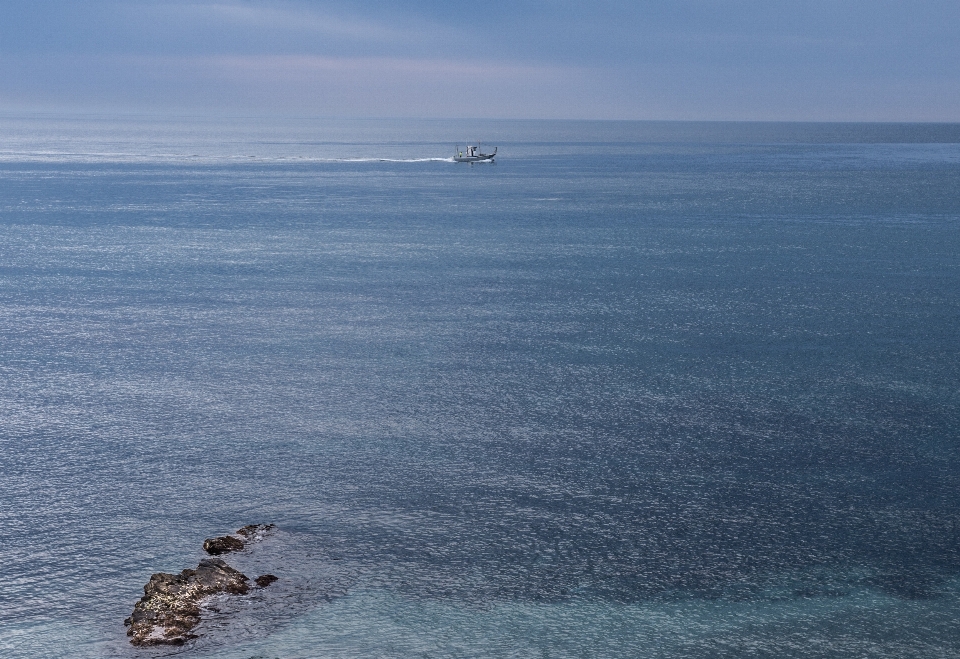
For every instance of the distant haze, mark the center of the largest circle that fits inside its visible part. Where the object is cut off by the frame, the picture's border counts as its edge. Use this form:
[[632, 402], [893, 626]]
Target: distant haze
[[835, 60]]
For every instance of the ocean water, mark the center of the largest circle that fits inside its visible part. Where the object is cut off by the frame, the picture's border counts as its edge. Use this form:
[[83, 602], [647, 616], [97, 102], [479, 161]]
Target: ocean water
[[634, 390]]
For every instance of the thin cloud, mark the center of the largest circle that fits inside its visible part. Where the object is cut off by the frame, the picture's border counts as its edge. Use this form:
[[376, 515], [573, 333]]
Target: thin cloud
[[296, 19], [297, 65], [611, 59], [231, 27]]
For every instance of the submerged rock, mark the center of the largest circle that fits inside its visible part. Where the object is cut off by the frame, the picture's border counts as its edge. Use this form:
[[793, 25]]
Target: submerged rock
[[170, 606], [265, 580], [255, 532]]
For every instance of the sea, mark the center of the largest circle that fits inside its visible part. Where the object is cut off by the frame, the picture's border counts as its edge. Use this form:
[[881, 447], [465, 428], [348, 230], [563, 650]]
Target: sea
[[634, 389]]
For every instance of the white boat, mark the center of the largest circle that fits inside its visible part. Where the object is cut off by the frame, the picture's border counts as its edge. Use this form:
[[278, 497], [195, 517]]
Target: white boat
[[472, 153]]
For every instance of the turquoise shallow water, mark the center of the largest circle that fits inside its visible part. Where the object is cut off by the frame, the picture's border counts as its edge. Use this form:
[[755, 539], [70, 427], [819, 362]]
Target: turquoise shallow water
[[635, 389]]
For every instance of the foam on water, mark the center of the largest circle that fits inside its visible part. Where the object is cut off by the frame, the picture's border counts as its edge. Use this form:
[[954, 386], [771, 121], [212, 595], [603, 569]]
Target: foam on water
[[55, 157]]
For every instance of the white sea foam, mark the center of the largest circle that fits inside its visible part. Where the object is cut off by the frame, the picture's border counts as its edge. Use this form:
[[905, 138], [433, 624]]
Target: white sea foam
[[63, 157]]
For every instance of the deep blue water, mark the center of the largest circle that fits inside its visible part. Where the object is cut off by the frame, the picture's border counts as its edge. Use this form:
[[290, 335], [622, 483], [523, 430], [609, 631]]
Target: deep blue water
[[637, 389]]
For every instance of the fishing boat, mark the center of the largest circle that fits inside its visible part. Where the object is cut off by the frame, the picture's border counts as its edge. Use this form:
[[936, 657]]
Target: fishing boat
[[472, 153]]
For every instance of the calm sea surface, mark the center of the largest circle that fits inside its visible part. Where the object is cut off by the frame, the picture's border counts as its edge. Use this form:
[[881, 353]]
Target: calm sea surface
[[635, 390]]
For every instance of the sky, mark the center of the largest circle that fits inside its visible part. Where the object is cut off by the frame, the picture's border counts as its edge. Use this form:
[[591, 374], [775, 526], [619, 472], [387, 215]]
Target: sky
[[777, 60]]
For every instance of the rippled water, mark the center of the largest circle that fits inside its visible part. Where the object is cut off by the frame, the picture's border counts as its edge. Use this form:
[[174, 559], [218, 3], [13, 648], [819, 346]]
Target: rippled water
[[660, 390]]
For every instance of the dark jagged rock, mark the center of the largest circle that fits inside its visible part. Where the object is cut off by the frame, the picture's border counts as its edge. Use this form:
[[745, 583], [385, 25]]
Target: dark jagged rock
[[228, 543], [170, 606], [222, 545], [265, 580]]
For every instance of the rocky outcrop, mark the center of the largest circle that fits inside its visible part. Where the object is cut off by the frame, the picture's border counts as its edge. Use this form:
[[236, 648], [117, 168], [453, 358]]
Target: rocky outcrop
[[228, 543], [223, 545], [170, 606]]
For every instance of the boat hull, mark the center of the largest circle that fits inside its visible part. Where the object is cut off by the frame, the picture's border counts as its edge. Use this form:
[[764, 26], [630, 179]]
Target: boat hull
[[481, 158], [473, 154]]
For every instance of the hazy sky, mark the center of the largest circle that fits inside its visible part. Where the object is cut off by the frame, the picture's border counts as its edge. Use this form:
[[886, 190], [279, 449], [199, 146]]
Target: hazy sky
[[672, 59]]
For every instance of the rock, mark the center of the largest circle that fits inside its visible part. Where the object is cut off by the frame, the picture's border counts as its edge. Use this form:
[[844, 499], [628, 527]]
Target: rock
[[170, 606], [222, 545], [265, 580], [228, 543], [255, 532]]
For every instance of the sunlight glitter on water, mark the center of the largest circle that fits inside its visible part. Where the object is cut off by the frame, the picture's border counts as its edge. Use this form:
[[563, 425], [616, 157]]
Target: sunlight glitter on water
[[698, 398]]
